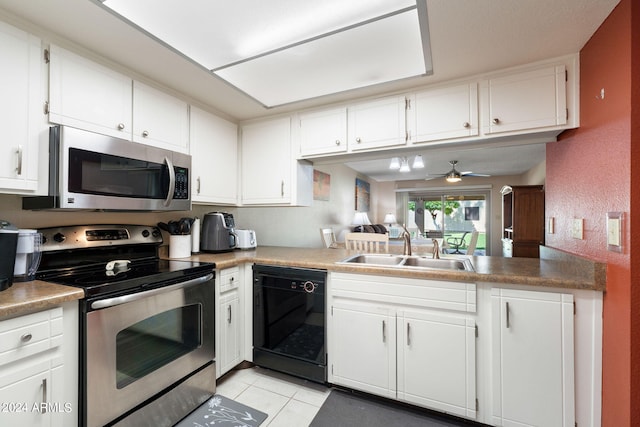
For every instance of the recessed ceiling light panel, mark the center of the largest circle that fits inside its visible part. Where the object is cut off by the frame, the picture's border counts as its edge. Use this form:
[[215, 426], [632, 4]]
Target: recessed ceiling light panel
[[284, 51]]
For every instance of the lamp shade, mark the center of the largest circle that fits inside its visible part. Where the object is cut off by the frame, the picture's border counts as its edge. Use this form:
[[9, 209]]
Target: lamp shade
[[360, 218], [389, 219]]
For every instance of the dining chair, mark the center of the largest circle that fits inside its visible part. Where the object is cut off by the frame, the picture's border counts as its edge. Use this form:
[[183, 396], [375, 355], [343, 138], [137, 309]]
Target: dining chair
[[460, 245], [456, 243], [471, 247], [367, 242], [328, 237]]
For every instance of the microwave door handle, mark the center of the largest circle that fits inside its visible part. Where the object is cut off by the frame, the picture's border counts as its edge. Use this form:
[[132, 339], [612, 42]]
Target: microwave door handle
[[172, 182]]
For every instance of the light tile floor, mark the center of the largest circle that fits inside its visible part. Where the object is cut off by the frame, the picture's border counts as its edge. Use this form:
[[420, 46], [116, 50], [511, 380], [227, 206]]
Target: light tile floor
[[289, 401]]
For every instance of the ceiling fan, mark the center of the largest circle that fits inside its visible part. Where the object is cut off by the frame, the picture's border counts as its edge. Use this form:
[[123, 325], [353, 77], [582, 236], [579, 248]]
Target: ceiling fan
[[453, 175]]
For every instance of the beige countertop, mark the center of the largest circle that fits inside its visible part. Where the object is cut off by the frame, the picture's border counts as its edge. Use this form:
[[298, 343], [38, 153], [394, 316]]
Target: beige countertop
[[554, 269]]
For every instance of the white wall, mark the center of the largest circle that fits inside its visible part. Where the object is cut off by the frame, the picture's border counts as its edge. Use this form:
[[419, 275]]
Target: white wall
[[300, 226]]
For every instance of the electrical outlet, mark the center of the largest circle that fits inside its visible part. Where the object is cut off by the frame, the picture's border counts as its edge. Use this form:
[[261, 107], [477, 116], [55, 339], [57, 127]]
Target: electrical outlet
[[577, 228]]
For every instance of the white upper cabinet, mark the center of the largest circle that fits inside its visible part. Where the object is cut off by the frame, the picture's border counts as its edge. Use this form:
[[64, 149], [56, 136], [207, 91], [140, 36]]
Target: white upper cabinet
[[379, 123], [21, 109], [528, 100], [214, 159], [445, 113], [270, 173], [88, 96], [323, 132], [159, 119]]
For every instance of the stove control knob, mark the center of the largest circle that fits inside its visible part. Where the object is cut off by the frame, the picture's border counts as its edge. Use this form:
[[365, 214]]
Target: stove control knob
[[145, 233], [59, 237]]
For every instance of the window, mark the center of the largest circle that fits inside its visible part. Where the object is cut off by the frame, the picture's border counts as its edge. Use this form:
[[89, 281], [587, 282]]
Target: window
[[440, 214]]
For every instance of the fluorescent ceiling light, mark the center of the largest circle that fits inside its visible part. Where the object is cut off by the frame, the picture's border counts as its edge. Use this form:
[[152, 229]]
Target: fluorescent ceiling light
[[285, 51]]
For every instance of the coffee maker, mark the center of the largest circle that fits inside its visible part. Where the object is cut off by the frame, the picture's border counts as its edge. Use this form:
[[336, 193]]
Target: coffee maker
[[27, 255], [218, 232], [8, 244]]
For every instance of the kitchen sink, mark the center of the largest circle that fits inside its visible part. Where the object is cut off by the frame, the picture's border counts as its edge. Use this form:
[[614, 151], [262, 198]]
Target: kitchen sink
[[408, 261], [377, 259]]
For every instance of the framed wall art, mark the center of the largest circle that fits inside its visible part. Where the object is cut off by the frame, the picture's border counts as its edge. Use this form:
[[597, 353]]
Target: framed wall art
[[363, 191]]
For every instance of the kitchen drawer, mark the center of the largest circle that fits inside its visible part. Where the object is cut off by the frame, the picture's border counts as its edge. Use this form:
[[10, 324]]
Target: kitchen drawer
[[424, 293], [30, 334], [229, 279]]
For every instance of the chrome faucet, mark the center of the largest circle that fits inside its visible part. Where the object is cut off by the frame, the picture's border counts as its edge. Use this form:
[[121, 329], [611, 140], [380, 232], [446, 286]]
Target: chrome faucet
[[406, 237], [436, 249]]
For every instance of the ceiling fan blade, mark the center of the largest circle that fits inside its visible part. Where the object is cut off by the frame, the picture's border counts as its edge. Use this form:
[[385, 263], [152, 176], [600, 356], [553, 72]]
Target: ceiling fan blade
[[430, 177], [474, 174]]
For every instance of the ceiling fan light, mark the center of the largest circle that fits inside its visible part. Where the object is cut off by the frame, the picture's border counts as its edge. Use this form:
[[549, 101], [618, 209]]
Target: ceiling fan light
[[395, 163], [404, 167], [418, 163], [453, 177]]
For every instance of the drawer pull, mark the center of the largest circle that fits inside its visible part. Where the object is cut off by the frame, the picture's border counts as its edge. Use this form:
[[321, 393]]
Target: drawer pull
[[26, 337], [44, 395], [507, 314]]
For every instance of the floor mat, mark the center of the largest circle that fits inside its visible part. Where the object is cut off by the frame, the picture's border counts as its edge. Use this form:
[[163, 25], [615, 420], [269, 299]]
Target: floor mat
[[347, 409], [222, 411]]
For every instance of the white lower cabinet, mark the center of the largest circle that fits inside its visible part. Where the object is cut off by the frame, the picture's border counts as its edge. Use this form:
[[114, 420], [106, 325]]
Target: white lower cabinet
[[406, 339], [437, 361], [229, 321], [38, 382], [533, 358], [363, 351]]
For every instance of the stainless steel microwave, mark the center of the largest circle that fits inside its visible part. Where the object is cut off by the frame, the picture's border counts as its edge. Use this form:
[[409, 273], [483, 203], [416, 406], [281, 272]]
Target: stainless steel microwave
[[92, 171]]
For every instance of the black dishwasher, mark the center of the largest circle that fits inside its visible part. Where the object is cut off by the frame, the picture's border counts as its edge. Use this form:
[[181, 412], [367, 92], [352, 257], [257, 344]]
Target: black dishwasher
[[289, 320]]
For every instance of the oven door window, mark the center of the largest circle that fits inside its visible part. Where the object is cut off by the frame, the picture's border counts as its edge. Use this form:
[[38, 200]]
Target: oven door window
[[156, 341]]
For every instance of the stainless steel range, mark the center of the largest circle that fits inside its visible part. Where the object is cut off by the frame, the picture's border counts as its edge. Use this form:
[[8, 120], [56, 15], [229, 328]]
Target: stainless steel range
[[146, 324]]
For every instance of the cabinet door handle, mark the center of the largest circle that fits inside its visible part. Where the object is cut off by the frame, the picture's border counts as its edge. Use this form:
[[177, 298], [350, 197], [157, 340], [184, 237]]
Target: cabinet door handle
[[495, 121], [145, 134], [358, 140], [19, 167], [384, 331], [408, 333], [44, 395], [26, 337], [506, 305], [120, 126], [337, 142], [282, 188], [198, 185], [466, 125], [229, 314]]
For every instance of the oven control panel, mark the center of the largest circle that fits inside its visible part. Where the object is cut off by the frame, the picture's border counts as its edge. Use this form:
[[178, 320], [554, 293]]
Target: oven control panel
[[85, 236]]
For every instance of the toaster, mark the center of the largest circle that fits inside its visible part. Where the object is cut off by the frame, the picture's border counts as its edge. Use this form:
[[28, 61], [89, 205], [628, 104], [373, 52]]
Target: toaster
[[246, 239]]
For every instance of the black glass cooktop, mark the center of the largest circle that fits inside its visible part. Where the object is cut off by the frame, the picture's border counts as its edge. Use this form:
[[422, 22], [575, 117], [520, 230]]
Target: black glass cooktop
[[101, 279]]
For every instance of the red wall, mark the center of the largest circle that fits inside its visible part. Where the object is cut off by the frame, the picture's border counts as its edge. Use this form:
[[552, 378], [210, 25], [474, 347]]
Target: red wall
[[590, 172]]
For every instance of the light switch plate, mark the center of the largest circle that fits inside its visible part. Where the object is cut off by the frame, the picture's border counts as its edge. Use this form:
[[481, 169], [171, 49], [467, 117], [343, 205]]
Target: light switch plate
[[577, 230], [614, 231]]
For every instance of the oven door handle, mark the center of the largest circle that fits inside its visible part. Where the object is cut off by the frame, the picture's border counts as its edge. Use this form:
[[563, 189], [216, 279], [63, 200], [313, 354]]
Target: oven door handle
[[110, 302]]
